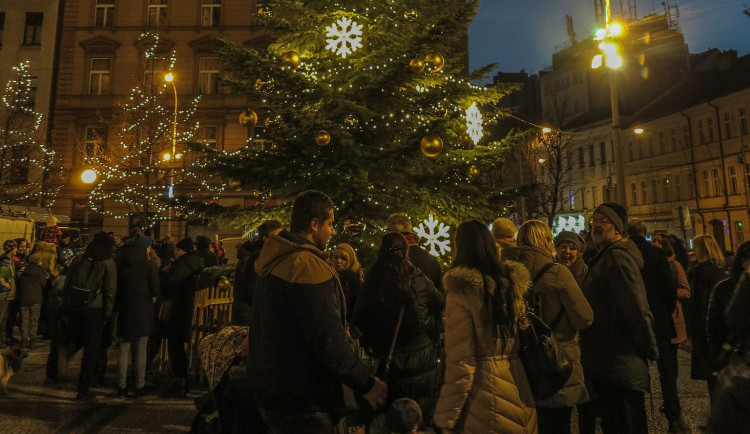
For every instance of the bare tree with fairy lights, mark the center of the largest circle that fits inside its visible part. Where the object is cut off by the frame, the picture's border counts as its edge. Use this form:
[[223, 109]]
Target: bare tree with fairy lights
[[29, 174], [145, 168]]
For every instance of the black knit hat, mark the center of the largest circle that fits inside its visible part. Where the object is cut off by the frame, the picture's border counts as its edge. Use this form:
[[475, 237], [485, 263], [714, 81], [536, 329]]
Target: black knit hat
[[616, 213], [185, 244]]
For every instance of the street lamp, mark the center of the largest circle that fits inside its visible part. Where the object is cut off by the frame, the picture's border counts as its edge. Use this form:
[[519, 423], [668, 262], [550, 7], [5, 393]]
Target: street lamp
[[611, 58], [88, 176], [173, 156]]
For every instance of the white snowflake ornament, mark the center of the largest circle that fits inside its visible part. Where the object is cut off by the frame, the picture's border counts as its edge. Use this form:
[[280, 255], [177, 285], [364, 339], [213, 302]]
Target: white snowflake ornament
[[344, 37], [474, 123], [435, 234]]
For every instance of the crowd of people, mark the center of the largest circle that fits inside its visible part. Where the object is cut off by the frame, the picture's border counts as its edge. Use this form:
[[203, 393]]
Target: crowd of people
[[402, 347]]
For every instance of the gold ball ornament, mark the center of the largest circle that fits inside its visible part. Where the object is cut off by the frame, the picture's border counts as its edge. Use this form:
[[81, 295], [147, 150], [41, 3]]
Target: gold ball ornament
[[417, 65], [223, 284], [322, 138], [431, 146], [435, 61], [411, 15], [473, 173], [292, 58], [248, 118], [466, 141]]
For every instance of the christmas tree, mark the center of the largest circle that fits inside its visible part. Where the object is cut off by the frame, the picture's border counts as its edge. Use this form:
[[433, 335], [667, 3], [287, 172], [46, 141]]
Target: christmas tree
[[26, 164], [370, 102], [145, 170]]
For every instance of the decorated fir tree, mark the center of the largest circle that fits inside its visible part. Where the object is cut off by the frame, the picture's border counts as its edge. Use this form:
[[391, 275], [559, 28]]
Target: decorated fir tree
[[28, 173], [145, 168], [371, 102]]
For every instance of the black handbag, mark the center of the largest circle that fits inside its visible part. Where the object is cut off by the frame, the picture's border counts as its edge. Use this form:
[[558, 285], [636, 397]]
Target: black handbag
[[546, 365]]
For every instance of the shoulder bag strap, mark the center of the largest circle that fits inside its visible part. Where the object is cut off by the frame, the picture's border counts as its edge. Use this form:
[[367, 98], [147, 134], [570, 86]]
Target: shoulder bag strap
[[393, 344], [538, 276]]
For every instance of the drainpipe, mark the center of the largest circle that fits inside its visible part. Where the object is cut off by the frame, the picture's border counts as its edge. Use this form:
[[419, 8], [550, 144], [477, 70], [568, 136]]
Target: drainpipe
[[692, 169], [724, 173]]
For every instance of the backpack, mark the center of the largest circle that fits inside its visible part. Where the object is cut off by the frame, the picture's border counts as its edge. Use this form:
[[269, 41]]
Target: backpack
[[546, 365], [83, 283]]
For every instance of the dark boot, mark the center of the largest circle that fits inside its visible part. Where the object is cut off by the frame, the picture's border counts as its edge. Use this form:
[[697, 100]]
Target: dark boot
[[177, 390]]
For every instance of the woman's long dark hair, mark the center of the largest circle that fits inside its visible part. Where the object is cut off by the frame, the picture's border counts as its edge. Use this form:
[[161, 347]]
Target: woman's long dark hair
[[742, 255], [475, 248], [390, 276], [102, 246]]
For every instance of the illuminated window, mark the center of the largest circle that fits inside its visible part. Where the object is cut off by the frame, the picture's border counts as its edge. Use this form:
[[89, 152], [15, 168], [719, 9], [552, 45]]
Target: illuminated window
[[208, 135], [154, 71]]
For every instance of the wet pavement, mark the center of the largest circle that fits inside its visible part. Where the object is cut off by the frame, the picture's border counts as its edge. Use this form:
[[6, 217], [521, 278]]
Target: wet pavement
[[33, 406]]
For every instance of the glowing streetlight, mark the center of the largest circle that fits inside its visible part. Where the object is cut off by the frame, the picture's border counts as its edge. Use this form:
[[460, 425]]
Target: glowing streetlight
[[609, 56], [546, 130], [167, 156], [638, 130], [88, 176]]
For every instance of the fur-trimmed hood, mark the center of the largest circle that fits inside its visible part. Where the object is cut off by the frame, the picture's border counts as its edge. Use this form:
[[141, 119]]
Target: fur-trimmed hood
[[469, 282]]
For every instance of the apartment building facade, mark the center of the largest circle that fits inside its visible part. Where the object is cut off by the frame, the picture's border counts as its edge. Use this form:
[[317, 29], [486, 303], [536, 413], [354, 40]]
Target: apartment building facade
[[101, 60]]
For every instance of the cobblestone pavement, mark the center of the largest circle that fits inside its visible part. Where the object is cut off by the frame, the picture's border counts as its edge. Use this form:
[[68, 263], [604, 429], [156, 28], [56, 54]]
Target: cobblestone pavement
[[33, 407]]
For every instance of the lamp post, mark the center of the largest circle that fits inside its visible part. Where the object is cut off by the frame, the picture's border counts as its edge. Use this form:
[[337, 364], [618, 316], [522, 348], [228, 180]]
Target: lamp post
[[173, 156], [611, 58]]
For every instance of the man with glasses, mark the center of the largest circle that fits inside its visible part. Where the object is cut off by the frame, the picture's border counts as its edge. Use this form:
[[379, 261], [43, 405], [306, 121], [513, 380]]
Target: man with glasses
[[615, 349]]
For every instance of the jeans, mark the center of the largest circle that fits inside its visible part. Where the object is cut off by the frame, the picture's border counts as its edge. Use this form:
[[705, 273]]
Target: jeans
[[30, 322], [554, 420], [140, 362]]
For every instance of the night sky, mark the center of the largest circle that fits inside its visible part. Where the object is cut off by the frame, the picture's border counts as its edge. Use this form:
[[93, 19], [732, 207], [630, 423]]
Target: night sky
[[519, 34]]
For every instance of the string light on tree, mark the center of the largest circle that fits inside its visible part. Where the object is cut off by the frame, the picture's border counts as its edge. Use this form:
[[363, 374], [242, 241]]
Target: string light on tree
[[344, 37], [435, 234]]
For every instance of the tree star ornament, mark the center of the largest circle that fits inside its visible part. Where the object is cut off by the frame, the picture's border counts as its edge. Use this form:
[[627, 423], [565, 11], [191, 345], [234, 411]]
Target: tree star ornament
[[474, 123], [344, 37], [435, 234]]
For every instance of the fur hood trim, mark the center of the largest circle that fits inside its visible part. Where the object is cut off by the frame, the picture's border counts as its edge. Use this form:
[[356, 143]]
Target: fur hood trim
[[470, 282]]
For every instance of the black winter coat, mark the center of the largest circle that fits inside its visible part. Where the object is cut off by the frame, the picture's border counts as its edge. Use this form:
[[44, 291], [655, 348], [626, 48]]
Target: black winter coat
[[705, 276], [620, 340], [414, 370], [427, 264], [245, 281], [30, 289], [299, 350], [209, 260], [351, 282], [137, 285], [661, 288], [179, 284]]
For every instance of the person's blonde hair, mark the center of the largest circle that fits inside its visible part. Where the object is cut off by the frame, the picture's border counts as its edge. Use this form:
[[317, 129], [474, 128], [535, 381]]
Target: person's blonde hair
[[707, 249], [354, 264], [535, 233]]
